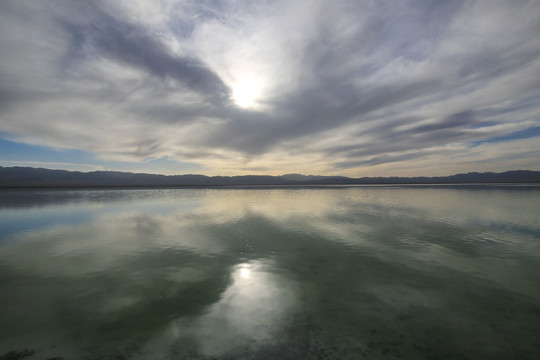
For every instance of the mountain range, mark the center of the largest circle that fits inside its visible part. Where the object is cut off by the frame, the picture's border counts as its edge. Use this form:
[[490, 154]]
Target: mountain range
[[28, 177]]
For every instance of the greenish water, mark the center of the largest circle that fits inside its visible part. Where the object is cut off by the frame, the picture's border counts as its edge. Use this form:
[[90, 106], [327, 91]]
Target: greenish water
[[272, 273]]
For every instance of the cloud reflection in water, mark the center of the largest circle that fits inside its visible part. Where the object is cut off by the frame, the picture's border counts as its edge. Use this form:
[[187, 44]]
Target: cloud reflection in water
[[263, 273]]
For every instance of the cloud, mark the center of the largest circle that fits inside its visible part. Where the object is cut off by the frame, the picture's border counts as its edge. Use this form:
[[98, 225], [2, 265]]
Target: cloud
[[350, 86], [135, 46]]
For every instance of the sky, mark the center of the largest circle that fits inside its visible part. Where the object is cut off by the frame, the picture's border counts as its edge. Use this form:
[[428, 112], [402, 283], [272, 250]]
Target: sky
[[352, 87]]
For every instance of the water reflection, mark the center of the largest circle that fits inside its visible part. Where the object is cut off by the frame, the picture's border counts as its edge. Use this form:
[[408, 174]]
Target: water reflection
[[245, 273], [271, 273], [247, 319]]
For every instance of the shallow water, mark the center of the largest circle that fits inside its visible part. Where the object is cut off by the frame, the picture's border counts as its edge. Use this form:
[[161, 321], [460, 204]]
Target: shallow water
[[432, 272]]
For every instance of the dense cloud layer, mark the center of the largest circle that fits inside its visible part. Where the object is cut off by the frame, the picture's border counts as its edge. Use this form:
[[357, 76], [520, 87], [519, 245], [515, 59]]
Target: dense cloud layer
[[353, 87]]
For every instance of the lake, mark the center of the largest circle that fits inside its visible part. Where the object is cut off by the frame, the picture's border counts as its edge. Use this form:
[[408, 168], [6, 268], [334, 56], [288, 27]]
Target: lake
[[337, 272]]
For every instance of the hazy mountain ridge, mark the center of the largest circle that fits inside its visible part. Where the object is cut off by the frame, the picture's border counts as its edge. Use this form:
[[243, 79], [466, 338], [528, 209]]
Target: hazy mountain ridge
[[27, 177]]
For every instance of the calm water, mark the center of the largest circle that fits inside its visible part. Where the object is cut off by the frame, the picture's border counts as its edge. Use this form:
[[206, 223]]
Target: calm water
[[279, 273]]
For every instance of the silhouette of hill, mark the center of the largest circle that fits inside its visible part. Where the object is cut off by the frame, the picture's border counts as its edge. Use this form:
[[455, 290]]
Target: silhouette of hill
[[27, 177]]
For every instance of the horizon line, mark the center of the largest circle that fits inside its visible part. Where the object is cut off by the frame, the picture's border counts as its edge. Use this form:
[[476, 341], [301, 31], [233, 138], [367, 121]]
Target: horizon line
[[268, 175]]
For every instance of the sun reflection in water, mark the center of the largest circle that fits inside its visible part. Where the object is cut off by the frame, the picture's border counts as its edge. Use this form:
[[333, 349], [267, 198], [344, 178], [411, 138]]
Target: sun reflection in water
[[248, 316], [245, 273]]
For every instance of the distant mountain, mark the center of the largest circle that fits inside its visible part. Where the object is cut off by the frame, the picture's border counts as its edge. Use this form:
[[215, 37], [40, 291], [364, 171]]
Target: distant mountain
[[300, 177], [27, 177]]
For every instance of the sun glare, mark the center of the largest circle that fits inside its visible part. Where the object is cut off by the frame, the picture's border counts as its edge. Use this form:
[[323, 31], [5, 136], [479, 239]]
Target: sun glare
[[244, 273], [245, 93]]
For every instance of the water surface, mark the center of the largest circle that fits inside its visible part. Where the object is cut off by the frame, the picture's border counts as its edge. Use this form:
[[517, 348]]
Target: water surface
[[431, 272]]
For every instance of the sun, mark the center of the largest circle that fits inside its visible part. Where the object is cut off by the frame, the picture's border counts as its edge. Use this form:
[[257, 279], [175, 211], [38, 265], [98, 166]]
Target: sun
[[245, 93]]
